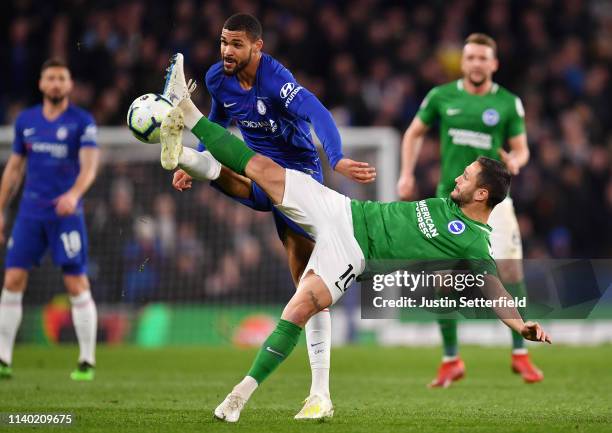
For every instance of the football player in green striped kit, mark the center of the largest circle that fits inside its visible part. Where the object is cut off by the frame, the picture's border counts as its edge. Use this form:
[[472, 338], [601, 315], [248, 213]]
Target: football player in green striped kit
[[349, 232], [476, 117]]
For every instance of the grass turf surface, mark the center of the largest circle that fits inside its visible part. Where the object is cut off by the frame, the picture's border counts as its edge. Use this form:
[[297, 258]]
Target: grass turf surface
[[374, 390]]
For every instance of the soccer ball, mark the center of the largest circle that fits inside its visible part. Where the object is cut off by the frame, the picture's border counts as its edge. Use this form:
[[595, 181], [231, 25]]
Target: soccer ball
[[145, 116]]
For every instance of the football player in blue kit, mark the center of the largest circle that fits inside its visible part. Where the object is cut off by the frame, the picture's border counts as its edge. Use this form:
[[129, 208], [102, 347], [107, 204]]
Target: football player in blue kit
[[274, 113], [55, 145]]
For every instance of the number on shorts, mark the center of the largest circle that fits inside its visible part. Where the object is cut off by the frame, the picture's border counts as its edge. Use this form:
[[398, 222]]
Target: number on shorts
[[72, 243], [346, 279]]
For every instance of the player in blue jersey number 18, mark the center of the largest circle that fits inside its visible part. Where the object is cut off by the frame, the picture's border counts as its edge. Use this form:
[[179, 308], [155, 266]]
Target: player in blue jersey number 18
[[274, 114], [55, 144]]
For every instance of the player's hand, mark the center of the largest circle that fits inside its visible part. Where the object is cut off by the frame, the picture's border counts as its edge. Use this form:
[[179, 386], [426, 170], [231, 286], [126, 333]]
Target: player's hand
[[358, 171], [534, 332], [405, 187], [66, 204], [511, 162], [181, 180]]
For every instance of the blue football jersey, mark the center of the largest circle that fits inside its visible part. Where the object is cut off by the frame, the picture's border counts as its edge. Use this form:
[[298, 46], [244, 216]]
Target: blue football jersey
[[268, 115], [52, 152]]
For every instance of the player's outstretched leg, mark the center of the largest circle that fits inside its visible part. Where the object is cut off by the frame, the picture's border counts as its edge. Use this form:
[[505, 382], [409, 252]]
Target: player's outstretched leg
[[176, 88], [225, 147], [311, 297]]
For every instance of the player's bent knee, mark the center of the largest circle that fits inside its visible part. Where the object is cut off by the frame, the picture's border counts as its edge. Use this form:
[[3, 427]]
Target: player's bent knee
[[15, 279]]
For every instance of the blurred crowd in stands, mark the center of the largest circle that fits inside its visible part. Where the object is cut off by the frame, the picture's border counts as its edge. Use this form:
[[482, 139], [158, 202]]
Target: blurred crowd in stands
[[370, 62]]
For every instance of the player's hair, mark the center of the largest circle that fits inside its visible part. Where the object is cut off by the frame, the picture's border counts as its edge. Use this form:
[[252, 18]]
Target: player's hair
[[495, 178], [53, 63], [482, 39], [244, 23]]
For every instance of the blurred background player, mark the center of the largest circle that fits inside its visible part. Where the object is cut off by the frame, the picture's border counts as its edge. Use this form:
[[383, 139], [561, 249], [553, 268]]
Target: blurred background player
[[55, 144], [476, 117], [273, 112]]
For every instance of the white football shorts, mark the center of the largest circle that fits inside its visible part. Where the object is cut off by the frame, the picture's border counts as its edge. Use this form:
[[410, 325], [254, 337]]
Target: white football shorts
[[326, 216]]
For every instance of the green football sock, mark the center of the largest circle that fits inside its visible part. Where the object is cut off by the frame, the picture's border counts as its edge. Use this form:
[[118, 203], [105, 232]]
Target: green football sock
[[448, 329], [228, 149], [275, 349], [517, 289]]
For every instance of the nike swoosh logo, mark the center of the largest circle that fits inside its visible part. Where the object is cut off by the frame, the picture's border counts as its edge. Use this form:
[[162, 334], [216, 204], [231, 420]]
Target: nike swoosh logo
[[316, 344], [28, 131], [269, 349], [226, 105], [453, 111]]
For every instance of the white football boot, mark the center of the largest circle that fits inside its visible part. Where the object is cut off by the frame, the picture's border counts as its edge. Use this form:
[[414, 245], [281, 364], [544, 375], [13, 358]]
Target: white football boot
[[229, 410], [176, 87], [171, 138], [316, 406]]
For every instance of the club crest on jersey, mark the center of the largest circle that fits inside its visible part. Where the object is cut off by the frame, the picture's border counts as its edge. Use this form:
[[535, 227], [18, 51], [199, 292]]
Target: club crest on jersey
[[490, 117], [456, 227], [261, 107], [62, 133]]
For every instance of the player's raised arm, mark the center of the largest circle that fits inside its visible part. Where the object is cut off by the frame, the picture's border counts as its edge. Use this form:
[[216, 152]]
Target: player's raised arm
[[411, 147], [494, 289], [300, 102], [323, 123]]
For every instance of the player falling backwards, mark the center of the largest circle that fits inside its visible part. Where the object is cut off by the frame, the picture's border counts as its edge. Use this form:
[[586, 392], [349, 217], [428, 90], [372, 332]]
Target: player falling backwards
[[476, 117], [272, 111], [346, 232], [56, 145]]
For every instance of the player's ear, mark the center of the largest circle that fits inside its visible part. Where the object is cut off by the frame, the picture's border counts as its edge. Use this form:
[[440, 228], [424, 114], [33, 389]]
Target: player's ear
[[495, 64], [259, 44], [481, 195]]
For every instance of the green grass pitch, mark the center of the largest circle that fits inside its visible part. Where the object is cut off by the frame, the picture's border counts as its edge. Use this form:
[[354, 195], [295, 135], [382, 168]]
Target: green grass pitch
[[374, 390]]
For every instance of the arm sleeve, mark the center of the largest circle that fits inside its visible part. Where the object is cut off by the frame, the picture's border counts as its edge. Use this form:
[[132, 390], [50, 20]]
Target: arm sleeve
[[18, 143], [516, 121], [428, 111], [218, 115], [300, 102], [89, 132], [323, 123]]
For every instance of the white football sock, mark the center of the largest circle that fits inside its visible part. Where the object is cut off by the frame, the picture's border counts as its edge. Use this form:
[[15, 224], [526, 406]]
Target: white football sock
[[318, 340], [85, 319], [246, 387], [10, 319], [190, 112], [199, 165]]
